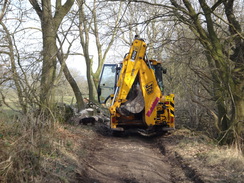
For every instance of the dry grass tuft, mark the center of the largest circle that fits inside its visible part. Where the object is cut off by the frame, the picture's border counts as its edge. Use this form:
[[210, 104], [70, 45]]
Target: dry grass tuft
[[229, 157], [21, 145], [225, 162], [34, 149]]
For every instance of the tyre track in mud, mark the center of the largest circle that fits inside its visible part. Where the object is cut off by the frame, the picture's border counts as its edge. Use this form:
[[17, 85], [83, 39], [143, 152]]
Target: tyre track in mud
[[134, 159], [181, 171]]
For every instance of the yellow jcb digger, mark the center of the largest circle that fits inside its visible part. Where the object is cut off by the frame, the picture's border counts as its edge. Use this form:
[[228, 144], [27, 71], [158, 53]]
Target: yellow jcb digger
[[135, 90]]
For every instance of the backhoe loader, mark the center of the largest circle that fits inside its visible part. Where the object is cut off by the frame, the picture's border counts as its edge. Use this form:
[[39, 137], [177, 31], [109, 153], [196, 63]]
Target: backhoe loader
[[135, 91]]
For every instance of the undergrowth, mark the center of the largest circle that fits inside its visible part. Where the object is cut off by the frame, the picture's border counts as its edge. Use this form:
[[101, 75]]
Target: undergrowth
[[32, 150], [225, 162]]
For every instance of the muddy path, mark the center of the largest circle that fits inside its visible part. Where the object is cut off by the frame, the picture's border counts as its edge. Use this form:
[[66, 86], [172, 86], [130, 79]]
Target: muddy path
[[134, 159]]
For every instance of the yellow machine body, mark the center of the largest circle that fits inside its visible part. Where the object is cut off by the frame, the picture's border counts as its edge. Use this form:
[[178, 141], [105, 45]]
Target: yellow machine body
[[136, 92], [148, 110]]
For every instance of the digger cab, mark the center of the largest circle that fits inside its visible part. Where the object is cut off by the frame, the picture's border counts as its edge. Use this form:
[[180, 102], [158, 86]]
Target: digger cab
[[107, 82]]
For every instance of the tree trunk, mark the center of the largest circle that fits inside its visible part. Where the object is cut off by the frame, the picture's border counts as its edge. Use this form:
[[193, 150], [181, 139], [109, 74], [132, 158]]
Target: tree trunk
[[238, 123], [51, 19], [89, 78], [49, 63], [84, 28], [72, 82], [240, 119]]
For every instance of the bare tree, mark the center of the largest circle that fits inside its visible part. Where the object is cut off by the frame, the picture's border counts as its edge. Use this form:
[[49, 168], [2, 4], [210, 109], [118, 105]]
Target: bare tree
[[105, 40], [93, 23], [15, 75], [225, 58], [51, 18], [62, 59]]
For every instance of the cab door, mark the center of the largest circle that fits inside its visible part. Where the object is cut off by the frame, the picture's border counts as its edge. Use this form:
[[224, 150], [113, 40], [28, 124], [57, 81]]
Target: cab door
[[107, 82]]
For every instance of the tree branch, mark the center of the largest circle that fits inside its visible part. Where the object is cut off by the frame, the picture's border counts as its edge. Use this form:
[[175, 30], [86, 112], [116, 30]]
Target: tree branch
[[3, 10], [216, 4], [36, 7], [61, 11]]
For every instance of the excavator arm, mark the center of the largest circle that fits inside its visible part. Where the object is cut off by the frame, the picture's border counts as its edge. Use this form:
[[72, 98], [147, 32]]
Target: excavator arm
[[138, 101]]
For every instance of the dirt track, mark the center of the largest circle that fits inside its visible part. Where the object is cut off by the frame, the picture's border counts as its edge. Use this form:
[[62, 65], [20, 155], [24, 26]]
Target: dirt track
[[134, 159]]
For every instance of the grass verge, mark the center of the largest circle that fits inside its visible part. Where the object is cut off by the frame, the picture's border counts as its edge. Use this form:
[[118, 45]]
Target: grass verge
[[213, 163], [36, 150]]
